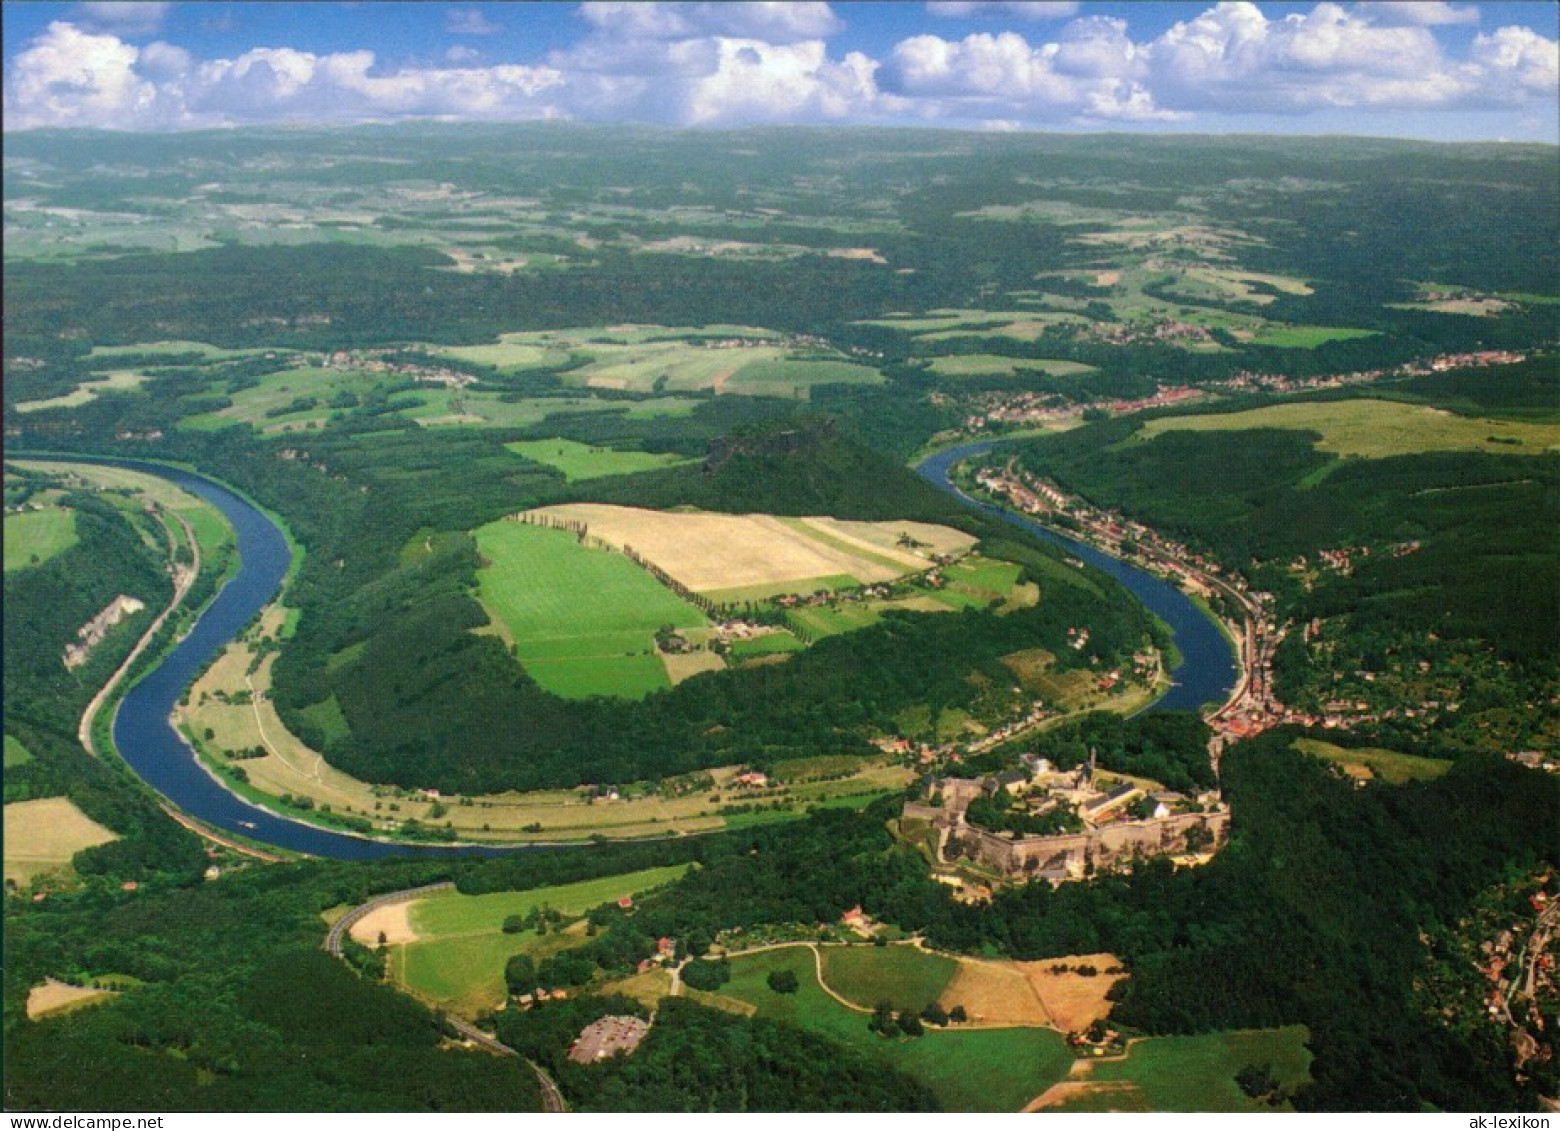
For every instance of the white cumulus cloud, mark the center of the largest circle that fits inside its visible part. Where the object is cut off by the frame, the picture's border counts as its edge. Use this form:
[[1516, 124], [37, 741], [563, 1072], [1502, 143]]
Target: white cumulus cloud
[[733, 64], [1421, 13], [69, 77], [769, 22]]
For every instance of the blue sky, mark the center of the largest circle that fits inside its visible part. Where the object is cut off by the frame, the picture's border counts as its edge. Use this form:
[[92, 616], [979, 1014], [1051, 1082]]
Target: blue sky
[[1454, 71]]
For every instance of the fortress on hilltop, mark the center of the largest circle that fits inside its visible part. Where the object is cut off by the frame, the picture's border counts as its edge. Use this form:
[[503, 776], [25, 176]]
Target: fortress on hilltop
[[1112, 834]]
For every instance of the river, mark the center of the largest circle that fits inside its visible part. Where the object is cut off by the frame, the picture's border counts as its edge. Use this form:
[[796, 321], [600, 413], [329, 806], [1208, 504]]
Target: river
[[146, 738], [144, 733], [1207, 671]]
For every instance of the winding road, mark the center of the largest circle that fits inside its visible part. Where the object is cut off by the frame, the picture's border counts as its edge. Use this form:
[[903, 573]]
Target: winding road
[[184, 581], [552, 1098]]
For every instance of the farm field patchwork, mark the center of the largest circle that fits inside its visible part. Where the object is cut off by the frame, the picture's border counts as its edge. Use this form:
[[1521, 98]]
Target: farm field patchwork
[[944, 325], [289, 400], [653, 359], [584, 461], [1185, 1074], [174, 349], [42, 836], [736, 557], [435, 407], [1375, 429], [583, 620], [33, 537], [973, 1070]]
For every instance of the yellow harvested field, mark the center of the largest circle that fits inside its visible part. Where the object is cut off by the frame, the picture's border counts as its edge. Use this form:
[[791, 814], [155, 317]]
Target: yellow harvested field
[[394, 921], [871, 255], [647, 989], [712, 552], [42, 836], [58, 997], [883, 537], [683, 665], [995, 993], [1028, 993], [1073, 1000]]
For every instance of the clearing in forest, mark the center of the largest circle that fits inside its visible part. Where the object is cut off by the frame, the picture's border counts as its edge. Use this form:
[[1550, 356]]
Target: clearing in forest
[[51, 997], [729, 557], [1376, 429], [586, 461], [996, 365], [116, 381], [456, 956], [43, 835], [33, 537], [582, 620], [1365, 763]]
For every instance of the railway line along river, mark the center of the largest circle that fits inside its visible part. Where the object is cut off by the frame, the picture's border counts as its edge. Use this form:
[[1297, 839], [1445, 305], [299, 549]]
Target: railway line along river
[[147, 740]]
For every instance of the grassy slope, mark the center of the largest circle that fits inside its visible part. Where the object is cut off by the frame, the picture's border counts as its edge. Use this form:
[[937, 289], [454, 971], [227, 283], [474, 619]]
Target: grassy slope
[[1376, 429], [1388, 765], [564, 603], [907, 977], [41, 534], [583, 461], [974, 1070], [1198, 1073], [460, 959]]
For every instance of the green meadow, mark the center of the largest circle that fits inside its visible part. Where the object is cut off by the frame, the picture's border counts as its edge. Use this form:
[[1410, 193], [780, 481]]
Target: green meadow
[[458, 960], [1376, 429], [906, 976], [995, 365], [15, 753], [582, 620], [583, 461], [1195, 1073], [1388, 765], [33, 537], [972, 1070], [1306, 337]]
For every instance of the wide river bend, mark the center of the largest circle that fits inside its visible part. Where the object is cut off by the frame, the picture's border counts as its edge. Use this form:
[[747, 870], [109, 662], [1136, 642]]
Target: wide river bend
[[145, 736]]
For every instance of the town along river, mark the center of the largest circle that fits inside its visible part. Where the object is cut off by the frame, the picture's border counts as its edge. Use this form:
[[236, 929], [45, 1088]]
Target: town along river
[[147, 740], [1207, 671]]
